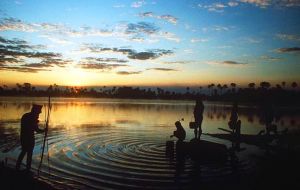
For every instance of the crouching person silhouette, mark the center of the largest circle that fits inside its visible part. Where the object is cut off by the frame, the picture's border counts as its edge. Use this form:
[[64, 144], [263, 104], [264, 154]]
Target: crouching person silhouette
[[180, 132], [29, 124]]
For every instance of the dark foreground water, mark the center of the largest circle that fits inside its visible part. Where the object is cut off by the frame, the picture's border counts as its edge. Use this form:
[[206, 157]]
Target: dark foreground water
[[120, 144]]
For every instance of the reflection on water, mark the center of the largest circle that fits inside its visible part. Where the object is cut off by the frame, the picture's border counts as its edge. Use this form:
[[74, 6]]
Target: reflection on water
[[111, 143]]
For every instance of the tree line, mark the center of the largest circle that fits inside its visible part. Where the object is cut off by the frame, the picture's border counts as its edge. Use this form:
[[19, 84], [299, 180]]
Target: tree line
[[283, 93]]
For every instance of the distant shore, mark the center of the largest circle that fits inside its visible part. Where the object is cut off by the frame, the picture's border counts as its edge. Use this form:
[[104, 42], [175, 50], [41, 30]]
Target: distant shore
[[279, 95]]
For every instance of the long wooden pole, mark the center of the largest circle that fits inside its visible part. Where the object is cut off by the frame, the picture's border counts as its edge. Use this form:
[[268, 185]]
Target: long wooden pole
[[45, 135]]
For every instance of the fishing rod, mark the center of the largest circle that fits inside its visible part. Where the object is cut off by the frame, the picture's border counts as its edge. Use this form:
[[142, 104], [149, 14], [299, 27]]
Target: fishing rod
[[45, 136]]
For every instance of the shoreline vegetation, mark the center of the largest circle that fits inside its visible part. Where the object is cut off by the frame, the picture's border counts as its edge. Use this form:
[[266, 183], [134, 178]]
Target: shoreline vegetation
[[281, 95]]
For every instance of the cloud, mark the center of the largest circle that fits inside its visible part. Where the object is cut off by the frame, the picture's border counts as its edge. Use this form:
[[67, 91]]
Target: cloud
[[290, 37], [220, 7], [119, 6], [233, 3], [57, 33], [188, 51], [289, 3], [16, 25], [130, 53], [259, 3], [217, 28], [169, 36], [23, 69], [99, 64], [129, 72], [115, 60], [228, 63], [142, 55], [138, 4], [215, 7], [267, 3], [220, 28], [269, 58], [168, 18], [195, 40], [14, 41], [56, 40], [143, 32], [162, 69], [13, 24], [16, 48], [252, 40], [36, 65], [151, 54], [141, 27], [19, 55], [56, 61], [288, 50], [178, 62]]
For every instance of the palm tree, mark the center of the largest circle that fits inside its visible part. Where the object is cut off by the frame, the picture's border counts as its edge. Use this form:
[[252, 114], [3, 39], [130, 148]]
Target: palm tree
[[283, 84], [294, 85], [225, 87], [27, 87], [219, 86], [200, 89], [113, 90], [265, 85], [233, 85], [278, 86], [19, 87], [251, 85], [212, 86], [187, 90]]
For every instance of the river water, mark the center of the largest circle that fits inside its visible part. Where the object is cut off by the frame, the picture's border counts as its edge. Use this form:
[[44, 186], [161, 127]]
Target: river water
[[121, 143]]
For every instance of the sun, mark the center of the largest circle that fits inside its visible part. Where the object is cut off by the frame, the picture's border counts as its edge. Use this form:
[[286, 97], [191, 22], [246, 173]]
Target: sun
[[75, 76]]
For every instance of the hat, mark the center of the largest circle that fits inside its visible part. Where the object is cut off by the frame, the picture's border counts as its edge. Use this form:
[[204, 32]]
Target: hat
[[36, 108]]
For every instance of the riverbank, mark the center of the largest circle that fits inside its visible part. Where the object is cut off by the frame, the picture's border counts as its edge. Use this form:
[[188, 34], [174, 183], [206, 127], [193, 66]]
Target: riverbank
[[18, 180], [274, 171]]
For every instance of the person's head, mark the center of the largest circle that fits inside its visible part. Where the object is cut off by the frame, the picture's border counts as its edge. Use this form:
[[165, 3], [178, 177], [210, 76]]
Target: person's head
[[36, 109], [178, 124]]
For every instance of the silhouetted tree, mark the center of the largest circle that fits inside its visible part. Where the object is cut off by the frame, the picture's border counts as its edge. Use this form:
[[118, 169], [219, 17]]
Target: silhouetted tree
[[27, 87], [294, 85], [251, 85], [283, 84], [265, 85], [219, 86], [233, 85]]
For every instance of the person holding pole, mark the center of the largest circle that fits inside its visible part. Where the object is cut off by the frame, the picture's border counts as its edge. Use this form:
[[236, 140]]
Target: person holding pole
[[29, 124]]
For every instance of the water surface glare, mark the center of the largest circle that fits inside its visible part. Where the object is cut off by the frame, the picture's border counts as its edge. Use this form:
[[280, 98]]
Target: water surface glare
[[120, 144]]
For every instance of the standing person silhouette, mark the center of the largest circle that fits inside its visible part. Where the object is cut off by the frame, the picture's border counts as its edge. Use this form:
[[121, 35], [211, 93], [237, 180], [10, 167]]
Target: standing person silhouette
[[233, 121], [198, 115], [29, 124]]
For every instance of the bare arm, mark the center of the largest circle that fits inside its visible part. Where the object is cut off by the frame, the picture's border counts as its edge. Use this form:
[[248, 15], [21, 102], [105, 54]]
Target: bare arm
[[37, 129]]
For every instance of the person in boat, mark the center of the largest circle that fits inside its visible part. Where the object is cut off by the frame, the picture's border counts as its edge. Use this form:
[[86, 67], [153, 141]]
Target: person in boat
[[233, 121], [29, 124], [180, 132], [198, 115]]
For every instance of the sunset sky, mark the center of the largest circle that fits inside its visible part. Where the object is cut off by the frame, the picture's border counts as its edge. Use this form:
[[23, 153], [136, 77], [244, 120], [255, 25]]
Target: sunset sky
[[150, 42]]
